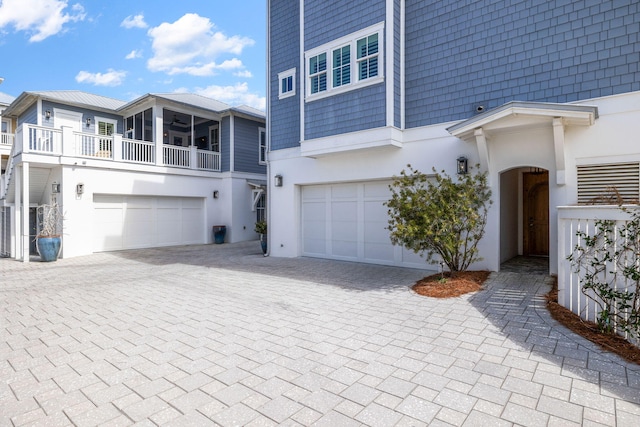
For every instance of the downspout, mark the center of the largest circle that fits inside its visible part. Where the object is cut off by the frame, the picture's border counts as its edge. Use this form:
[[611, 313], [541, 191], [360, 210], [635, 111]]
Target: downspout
[[268, 126]]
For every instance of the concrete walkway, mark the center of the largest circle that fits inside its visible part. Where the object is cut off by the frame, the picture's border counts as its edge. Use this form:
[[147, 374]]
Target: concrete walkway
[[219, 335]]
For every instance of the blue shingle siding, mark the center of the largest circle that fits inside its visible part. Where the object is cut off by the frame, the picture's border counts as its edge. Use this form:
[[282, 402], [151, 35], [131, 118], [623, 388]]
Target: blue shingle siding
[[284, 122], [348, 112], [225, 138], [29, 116], [463, 53], [86, 114], [327, 20], [246, 146]]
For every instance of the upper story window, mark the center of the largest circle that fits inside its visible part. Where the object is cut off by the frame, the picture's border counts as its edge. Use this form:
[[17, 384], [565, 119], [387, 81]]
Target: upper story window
[[318, 73], [353, 61], [214, 137], [287, 81], [262, 154]]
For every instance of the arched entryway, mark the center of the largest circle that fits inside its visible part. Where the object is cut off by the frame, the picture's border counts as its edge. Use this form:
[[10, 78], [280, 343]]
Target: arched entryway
[[524, 215]]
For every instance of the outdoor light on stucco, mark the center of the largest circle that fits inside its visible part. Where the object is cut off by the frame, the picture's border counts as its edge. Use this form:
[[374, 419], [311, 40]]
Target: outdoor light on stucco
[[463, 166], [277, 180], [55, 188]]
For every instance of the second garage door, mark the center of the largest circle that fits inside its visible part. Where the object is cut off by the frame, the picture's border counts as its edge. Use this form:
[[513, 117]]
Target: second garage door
[[348, 222], [129, 222]]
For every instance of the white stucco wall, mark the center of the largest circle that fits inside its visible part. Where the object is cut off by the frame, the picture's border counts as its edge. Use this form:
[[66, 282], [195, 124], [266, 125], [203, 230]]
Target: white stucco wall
[[610, 139]]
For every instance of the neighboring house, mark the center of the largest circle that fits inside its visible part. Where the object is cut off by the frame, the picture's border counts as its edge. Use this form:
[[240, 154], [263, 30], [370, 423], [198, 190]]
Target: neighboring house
[[542, 95], [160, 170]]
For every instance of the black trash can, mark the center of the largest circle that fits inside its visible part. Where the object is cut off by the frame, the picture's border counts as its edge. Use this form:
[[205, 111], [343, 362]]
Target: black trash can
[[219, 231]]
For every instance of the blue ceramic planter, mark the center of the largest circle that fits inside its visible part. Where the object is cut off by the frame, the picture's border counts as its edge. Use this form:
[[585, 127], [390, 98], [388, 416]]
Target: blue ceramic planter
[[48, 248]]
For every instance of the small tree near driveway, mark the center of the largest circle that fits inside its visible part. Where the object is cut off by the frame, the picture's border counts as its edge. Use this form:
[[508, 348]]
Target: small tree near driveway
[[436, 216]]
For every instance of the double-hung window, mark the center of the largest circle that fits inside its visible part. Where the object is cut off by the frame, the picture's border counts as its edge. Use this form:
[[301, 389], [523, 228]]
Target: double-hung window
[[341, 66], [367, 57], [347, 63], [318, 73]]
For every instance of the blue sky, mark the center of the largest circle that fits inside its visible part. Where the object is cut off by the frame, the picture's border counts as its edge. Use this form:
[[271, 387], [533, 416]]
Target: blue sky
[[125, 49]]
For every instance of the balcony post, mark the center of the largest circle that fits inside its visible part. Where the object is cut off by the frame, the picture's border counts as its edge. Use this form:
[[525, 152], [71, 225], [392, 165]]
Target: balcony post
[[193, 164], [157, 135], [68, 142], [117, 147]]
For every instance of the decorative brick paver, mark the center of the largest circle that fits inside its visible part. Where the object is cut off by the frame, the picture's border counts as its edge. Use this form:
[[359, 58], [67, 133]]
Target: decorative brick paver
[[219, 335]]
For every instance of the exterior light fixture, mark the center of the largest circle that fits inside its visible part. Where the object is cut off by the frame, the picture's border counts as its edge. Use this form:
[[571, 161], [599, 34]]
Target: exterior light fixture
[[47, 114], [463, 165], [277, 180], [55, 188], [88, 121], [216, 194], [79, 189]]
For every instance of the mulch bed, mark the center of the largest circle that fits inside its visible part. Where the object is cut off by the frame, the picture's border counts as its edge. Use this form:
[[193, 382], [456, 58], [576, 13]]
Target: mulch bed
[[448, 285], [589, 330]]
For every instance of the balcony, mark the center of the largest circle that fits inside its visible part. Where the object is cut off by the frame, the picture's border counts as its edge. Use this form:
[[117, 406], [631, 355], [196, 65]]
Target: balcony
[[66, 142]]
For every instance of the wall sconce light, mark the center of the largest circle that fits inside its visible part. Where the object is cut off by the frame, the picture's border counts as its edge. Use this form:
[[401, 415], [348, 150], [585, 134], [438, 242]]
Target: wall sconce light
[[47, 114], [216, 194], [277, 180], [88, 121], [79, 189], [55, 188], [463, 165]]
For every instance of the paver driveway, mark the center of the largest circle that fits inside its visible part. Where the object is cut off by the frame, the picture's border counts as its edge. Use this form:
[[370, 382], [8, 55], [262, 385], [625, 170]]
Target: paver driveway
[[218, 334]]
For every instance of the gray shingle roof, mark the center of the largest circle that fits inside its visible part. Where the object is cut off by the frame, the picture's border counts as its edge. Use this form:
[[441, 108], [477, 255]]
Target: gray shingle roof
[[6, 99]]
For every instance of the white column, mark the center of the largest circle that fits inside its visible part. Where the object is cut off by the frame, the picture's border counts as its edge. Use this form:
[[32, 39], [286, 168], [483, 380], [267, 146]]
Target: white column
[[25, 212], [558, 145], [158, 136], [17, 215]]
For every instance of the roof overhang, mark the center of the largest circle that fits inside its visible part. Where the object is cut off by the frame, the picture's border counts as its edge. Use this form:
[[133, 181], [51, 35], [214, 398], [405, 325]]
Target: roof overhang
[[518, 116], [525, 114]]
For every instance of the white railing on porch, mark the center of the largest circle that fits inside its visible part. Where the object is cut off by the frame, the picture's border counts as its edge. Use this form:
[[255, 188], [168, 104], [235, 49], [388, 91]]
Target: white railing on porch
[[208, 160], [177, 156], [138, 151], [90, 145], [39, 139], [6, 139], [571, 220]]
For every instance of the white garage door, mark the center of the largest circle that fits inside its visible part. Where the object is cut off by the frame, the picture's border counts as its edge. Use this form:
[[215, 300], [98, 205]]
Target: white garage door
[[348, 222], [129, 222]]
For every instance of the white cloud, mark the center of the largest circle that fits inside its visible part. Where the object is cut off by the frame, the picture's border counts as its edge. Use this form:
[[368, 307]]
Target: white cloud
[[110, 78], [238, 94], [243, 73], [134, 54], [41, 18], [189, 46], [134, 22]]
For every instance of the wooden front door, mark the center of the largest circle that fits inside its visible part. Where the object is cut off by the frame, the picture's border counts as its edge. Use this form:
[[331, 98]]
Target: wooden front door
[[536, 213]]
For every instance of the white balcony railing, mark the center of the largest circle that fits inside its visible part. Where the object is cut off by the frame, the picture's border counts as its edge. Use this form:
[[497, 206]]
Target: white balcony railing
[[177, 156], [6, 139], [44, 140]]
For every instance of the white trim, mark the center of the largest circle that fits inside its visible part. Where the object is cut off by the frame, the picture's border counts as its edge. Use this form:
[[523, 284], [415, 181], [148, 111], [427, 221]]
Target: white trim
[[389, 40], [351, 40], [303, 71], [283, 75]]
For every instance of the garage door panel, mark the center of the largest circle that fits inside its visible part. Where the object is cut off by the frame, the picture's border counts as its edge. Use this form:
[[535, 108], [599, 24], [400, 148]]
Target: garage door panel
[[349, 221], [127, 222]]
